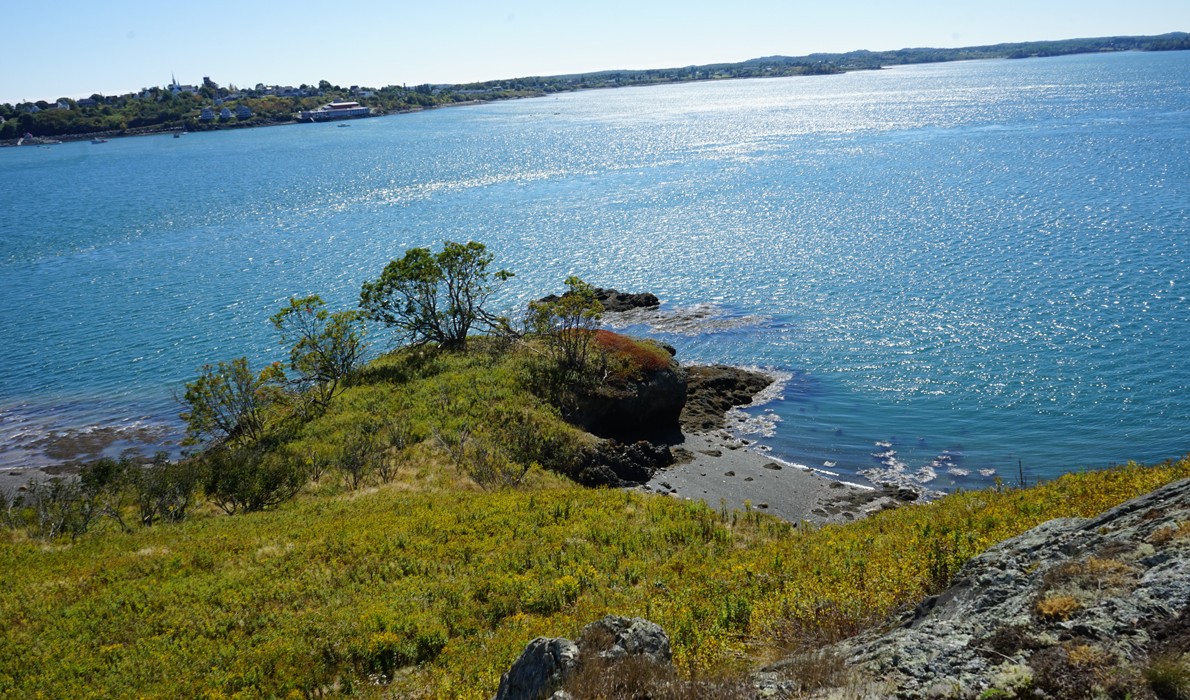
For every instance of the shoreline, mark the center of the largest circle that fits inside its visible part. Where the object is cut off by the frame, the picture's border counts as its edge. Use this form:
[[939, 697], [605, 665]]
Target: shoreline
[[725, 472], [712, 465], [48, 141]]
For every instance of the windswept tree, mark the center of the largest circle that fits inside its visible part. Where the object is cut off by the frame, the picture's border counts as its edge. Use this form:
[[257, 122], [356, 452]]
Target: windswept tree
[[435, 297], [228, 401], [324, 346], [567, 324]]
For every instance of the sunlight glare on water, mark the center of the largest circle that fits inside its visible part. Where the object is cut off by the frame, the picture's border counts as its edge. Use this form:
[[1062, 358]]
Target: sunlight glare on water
[[956, 266]]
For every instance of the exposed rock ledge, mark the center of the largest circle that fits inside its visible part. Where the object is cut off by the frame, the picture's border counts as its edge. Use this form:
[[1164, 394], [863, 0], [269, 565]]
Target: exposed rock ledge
[[713, 390], [1073, 608]]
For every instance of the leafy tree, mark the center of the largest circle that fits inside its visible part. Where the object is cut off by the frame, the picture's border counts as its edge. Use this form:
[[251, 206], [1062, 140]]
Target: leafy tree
[[568, 324], [228, 401], [326, 346], [435, 297]]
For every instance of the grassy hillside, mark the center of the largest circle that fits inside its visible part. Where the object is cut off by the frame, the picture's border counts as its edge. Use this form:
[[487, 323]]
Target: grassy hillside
[[423, 583]]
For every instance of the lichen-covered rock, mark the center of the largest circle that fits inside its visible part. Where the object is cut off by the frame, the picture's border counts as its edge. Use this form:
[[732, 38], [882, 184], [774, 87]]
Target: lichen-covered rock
[[615, 638], [540, 670], [546, 663], [1073, 608]]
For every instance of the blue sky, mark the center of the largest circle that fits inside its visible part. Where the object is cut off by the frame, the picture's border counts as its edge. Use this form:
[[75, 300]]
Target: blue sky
[[74, 48]]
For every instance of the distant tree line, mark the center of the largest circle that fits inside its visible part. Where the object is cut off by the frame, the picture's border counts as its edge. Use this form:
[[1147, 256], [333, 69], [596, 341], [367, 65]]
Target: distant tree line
[[157, 109]]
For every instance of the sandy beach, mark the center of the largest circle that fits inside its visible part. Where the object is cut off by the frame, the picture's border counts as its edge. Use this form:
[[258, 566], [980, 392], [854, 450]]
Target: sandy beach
[[724, 471]]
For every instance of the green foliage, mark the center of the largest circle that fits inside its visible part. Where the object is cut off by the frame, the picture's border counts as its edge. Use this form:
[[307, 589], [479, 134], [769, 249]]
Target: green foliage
[[403, 593], [567, 324], [49, 509], [435, 297], [164, 490], [325, 347], [228, 402], [630, 358], [1169, 677], [243, 479]]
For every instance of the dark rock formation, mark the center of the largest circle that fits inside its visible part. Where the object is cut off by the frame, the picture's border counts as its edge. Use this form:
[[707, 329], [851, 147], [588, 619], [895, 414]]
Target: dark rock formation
[[1073, 608], [638, 408], [544, 666], [712, 390], [617, 302], [615, 464]]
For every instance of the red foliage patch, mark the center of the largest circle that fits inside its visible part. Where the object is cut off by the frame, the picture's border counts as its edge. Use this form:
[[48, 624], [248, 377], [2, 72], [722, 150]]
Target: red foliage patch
[[645, 356]]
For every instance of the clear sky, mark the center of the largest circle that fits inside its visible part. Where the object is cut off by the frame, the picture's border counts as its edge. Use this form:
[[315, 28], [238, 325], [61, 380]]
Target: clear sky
[[74, 48]]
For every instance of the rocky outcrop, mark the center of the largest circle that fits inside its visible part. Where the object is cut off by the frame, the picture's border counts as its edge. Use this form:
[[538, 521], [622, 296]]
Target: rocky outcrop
[[713, 390], [617, 302], [546, 664], [615, 464], [641, 407], [1075, 608]]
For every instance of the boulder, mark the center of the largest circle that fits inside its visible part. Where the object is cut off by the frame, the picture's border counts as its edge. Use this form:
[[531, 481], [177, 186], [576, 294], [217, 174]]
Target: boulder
[[547, 663], [1072, 608], [617, 302], [540, 669], [617, 638]]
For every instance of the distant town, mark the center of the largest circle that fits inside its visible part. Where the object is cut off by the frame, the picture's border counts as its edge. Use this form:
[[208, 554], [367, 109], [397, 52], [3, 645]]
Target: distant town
[[179, 108]]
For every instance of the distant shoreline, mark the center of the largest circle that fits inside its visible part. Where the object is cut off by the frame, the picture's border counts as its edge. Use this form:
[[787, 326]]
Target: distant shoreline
[[767, 67]]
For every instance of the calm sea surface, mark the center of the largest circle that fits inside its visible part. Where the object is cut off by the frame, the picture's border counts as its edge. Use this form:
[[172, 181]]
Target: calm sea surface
[[957, 267]]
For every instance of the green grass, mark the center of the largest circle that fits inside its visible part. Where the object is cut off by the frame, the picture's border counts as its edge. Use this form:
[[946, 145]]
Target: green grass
[[429, 586]]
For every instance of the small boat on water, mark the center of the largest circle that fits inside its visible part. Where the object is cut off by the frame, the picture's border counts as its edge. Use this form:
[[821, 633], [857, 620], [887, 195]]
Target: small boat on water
[[342, 125], [98, 140]]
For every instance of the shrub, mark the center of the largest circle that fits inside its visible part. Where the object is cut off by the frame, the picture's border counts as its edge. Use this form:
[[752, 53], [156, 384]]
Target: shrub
[[325, 347], [1169, 677], [628, 357], [51, 508], [246, 479], [228, 401], [567, 324], [164, 490]]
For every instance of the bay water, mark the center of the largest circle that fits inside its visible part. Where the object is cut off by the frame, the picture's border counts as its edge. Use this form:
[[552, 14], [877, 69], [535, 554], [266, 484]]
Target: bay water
[[961, 271]]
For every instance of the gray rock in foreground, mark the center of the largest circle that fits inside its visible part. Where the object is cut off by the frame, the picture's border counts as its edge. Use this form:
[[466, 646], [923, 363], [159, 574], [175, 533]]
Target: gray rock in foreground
[[540, 669], [1073, 608], [545, 664]]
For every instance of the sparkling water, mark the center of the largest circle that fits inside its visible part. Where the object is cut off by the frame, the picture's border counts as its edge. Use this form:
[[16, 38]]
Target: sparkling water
[[960, 270]]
